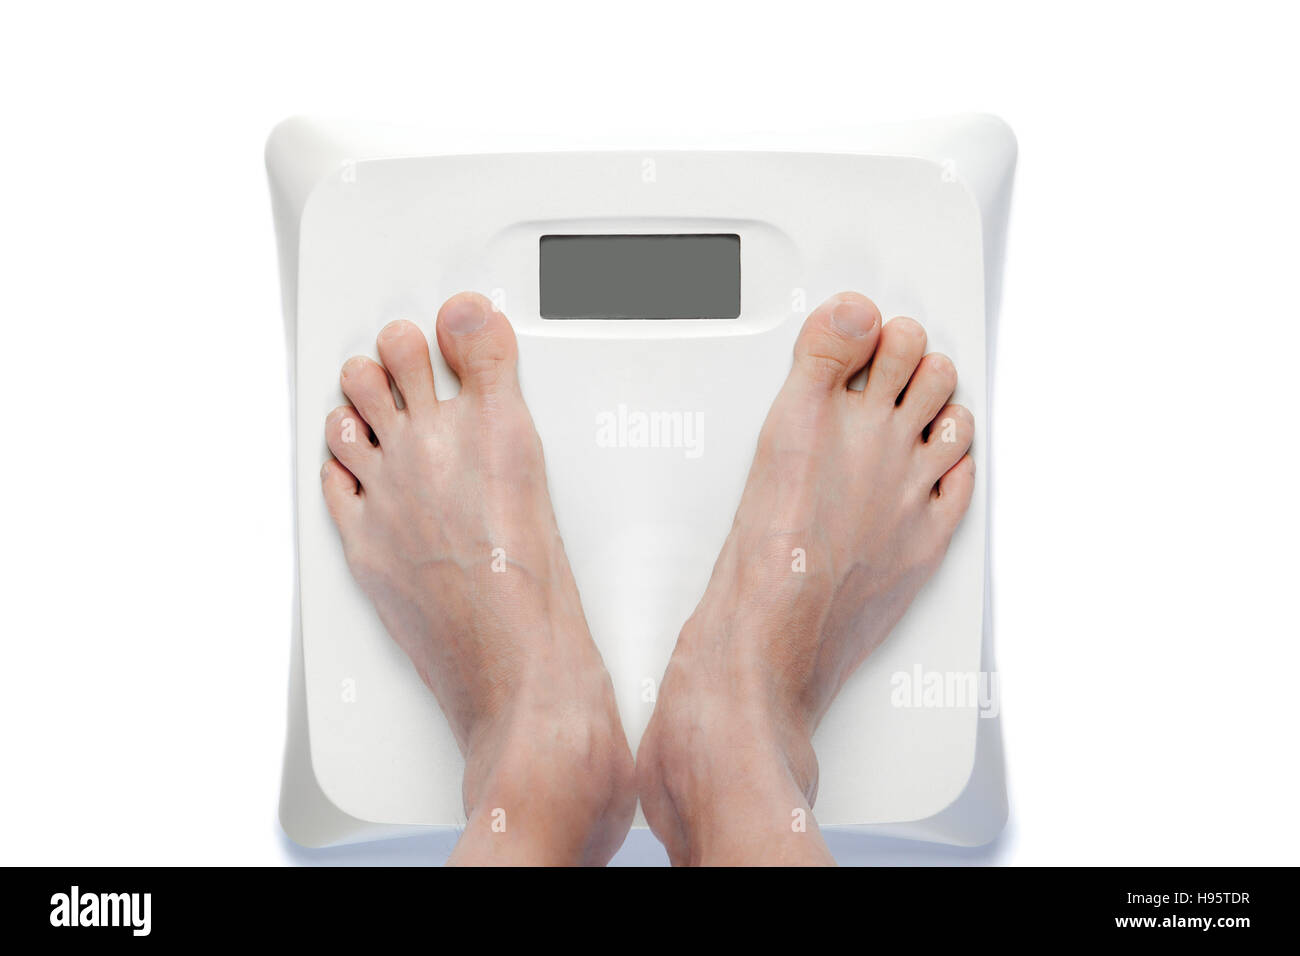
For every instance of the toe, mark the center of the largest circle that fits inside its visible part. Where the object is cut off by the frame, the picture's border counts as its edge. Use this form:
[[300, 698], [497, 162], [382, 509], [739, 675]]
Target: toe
[[341, 493], [902, 343], [348, 438], [836, 341], [947, 439], [952, 497], [478, 343], [931, 386], [365, 383], [405, 353]]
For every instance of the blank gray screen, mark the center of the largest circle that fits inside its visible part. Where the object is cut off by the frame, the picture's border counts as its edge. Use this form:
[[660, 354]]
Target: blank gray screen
[[640, 277]]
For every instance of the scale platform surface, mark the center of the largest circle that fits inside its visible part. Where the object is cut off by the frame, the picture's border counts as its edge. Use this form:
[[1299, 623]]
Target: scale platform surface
[[376, 223]]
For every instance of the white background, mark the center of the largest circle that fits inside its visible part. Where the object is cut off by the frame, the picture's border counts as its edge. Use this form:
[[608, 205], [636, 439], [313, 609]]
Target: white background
[[1146, 431]]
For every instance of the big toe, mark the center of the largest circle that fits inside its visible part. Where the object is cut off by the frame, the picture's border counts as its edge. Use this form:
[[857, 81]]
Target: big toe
[[477, 342], [837, 341]]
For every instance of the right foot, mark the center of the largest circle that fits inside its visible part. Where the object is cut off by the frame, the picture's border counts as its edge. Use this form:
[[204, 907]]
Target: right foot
[[868, 487], [447, 525]]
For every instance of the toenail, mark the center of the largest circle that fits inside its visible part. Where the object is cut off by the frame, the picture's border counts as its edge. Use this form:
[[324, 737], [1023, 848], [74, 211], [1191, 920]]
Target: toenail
[[853, 318], [464, 315]]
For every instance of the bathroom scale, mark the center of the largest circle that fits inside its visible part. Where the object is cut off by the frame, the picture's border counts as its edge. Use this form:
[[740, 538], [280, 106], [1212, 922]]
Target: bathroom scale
[[656, 290]]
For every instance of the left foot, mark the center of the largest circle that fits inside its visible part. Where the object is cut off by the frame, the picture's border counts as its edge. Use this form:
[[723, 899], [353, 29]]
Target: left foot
[[447, 525]]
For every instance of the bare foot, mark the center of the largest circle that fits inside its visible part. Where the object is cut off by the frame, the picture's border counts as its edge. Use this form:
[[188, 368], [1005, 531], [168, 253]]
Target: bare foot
[[447, 525], [870, 487]]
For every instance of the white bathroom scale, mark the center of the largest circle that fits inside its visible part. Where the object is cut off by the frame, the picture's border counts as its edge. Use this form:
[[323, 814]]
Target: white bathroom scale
[[656, 292]]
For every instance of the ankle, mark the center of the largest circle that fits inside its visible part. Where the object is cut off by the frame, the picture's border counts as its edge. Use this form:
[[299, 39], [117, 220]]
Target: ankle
[[557, 779], [748, 687], [722, 793], [722, 763]]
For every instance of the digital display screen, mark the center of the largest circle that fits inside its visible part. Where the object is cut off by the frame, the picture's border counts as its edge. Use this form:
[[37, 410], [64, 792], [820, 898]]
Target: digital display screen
[[640, 277]]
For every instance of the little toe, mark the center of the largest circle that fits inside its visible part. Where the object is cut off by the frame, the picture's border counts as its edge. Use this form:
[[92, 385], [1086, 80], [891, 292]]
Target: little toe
[[341, 491], [952, 496]]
